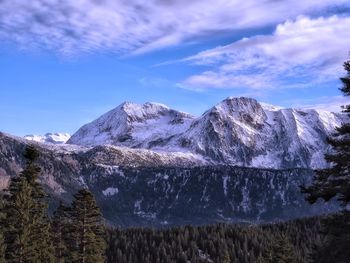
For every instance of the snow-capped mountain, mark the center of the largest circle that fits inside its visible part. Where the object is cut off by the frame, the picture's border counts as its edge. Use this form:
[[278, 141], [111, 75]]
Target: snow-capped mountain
[[237, 131], [54, 138], [149, 165], [133, 125]]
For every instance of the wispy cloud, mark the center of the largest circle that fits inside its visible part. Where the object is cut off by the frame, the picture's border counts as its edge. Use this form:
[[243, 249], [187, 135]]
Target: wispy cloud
[[299, 53], [137, 26], [333, 103]]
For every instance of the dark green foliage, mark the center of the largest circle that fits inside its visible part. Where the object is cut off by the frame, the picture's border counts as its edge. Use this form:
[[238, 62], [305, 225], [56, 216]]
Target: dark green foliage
[[2, 238], [346, 80], [280, 251], [26, 226], [18, 224], [75, 234], [60, 230], [86, 238], [335, 181], [335, 248], [220, 243]]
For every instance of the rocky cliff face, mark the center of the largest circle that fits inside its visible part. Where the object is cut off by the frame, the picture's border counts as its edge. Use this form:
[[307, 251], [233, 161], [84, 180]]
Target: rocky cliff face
[[237, 131], [201, 195], [143, 188]]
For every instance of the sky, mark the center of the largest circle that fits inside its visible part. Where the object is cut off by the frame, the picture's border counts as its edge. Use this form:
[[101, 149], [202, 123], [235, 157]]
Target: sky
[[64, 63]]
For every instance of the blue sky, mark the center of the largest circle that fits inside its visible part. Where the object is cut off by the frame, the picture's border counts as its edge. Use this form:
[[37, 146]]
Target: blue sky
[[64, 63]]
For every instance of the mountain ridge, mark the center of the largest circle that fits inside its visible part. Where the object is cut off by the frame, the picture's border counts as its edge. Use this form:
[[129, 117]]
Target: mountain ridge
[[236, 131], [134, 190]]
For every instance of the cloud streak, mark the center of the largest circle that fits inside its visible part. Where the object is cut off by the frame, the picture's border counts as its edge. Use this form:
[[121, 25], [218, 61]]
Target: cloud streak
[[299, 53], [333, 103], [135, 26]]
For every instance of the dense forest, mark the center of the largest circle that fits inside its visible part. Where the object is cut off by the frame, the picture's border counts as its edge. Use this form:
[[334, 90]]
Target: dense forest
[[292, 241]]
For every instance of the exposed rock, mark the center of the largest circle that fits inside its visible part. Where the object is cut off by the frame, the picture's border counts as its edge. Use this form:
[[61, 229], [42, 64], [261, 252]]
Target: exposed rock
[[237, 131]]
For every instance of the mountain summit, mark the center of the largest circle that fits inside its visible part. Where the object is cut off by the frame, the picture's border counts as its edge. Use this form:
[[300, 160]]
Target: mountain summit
[[237, 131]]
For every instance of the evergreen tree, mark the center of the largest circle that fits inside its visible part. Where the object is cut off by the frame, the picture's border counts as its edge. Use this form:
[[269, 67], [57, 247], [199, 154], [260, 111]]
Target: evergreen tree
[[2, 238], [335, 181], [18, 224], [227, 258], [281, 251], [337, 239], [87, 239], [27, 233], [60, 230], [42, 237]]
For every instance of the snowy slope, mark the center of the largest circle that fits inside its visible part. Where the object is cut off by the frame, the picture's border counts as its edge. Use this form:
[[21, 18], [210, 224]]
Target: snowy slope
[[133, 125], [237, 131], [54, 138]]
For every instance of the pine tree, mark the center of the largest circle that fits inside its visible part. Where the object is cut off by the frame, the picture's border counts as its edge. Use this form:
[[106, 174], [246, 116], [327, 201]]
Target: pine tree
[[60, 229], [281, 251], [336, 246], [2, 230], [27, 233], [42, 237], [87, 240], [18, 224], [227, 258], [335, 181]]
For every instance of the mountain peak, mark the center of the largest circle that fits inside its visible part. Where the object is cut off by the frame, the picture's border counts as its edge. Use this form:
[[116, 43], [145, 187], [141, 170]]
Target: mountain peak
[[236, 131], [130, 124], [239, 104], [141, 111], [54, 138], [239, 108]]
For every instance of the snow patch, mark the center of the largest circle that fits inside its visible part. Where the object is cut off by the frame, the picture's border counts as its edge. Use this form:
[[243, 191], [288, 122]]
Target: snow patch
[[110, 191], [54, 138]]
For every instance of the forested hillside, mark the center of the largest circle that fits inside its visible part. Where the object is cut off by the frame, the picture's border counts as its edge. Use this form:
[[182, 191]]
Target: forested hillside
[[292, 241]]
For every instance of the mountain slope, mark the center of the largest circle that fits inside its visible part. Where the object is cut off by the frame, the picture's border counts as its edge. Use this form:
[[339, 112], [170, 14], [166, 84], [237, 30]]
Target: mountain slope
[[139, 188], [237, 131], [133, 125]]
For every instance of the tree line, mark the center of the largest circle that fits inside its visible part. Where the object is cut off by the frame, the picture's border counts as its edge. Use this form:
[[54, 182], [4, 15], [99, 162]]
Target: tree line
[[290, 242]]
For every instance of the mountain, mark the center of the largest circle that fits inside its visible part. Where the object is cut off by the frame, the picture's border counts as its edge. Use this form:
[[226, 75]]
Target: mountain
[[137, 187], [133, 125], [149, 165], [237, 131], [55, 138]]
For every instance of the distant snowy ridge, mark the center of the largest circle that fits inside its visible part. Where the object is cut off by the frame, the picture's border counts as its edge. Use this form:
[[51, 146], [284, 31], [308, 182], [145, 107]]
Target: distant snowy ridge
[[236, 131], [53, 138]]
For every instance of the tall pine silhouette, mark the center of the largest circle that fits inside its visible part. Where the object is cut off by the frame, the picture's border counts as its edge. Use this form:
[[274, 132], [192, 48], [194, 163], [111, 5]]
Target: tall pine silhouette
[[280, 251], [61, 230], [334, 182], [86, 240], [27, 228], [2, 230]]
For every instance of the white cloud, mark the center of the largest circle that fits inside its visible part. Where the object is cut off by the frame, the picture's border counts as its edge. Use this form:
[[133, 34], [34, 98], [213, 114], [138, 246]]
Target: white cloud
[[137, 26], [299, 53], [327, 103]]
